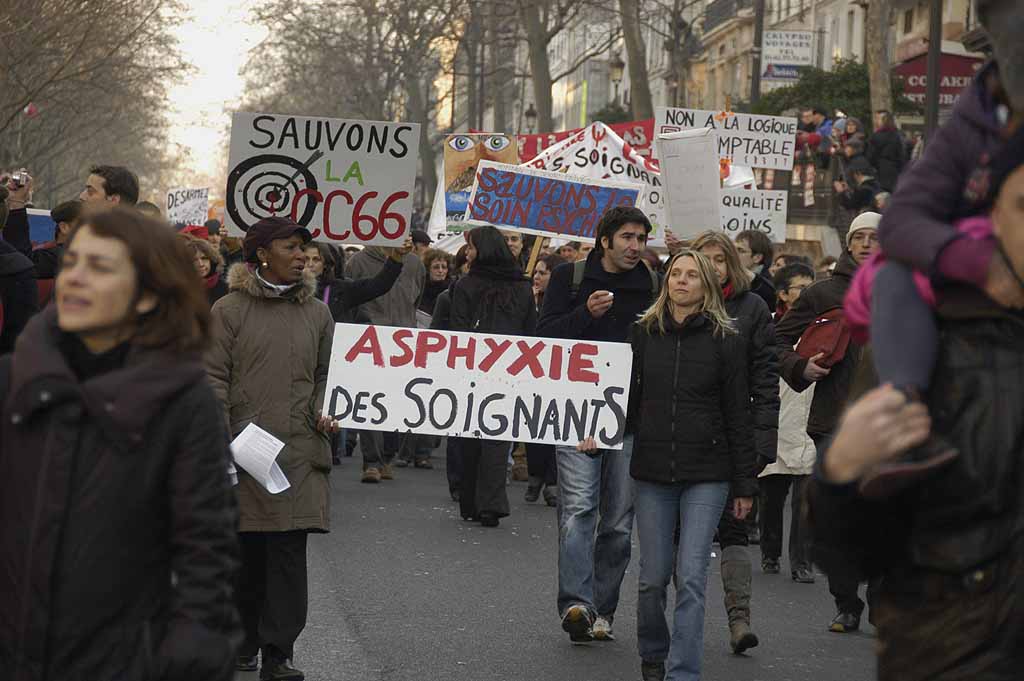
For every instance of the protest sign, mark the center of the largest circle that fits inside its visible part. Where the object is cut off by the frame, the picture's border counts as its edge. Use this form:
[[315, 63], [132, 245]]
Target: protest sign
[[475, 385], [187, 206], [598, 153], [744, 139], [689, 164], [637, 135], [758, 209], [347, 181], [462, 153], [542, 202]]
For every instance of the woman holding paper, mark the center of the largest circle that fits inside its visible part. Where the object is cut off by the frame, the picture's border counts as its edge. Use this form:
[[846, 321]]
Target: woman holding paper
[[117, 519], [268, 365], [690, 415], [495, 297]]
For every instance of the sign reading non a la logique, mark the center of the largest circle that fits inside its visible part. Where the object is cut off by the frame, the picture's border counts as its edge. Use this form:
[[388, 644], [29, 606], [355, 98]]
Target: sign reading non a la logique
[[541, 202], [346, 181], [744, 139], [474, 385]]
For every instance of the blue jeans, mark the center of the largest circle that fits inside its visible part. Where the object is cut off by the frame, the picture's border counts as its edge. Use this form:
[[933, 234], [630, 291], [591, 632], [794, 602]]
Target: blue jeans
[[696, 507], [591, 568]]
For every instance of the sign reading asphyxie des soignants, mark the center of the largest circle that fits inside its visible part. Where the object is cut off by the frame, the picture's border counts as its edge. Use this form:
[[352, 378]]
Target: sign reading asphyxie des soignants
[[544, 202], [745, 139], [477, 385], [187, 206], [347, 181]]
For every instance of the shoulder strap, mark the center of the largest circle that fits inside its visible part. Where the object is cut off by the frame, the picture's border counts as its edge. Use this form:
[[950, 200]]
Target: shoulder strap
[[579, 269]]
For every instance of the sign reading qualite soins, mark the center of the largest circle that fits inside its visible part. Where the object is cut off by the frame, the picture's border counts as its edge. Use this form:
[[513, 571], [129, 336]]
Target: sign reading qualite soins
[[347, 181], [745, 139], [475, 385]]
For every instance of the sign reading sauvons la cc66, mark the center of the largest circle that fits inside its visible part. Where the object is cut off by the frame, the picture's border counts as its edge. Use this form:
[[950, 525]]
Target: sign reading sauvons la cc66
[[346, 181]]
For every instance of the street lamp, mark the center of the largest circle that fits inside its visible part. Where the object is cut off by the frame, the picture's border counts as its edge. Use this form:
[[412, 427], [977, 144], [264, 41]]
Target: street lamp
[[673, 84], [615, 68], [531, 117]]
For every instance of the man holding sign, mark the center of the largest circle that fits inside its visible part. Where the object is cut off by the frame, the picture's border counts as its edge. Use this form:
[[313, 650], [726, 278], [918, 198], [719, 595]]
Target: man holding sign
[[597, 299]]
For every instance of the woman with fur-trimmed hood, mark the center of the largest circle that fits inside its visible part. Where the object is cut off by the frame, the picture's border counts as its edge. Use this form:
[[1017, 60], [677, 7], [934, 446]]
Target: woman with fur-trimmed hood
[[268, 365]]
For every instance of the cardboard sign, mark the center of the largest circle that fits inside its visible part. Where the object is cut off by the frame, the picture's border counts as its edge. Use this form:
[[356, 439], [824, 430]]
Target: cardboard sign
[[462, 153], [638, 135], [745, 139], [347, 181], [689, 164], [475, 385], [599, 153], [188, 206], [541, 202], [763, 210]]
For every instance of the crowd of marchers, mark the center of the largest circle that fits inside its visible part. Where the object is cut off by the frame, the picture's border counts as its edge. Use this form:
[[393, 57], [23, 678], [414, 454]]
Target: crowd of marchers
[[883, 394]]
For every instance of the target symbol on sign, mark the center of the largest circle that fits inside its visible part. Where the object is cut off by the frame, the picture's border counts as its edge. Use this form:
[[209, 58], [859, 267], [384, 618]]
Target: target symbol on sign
[[267, 186]]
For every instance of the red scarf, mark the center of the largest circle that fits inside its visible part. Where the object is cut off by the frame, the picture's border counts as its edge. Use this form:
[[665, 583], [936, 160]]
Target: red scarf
[[728, 291], [212, 280]]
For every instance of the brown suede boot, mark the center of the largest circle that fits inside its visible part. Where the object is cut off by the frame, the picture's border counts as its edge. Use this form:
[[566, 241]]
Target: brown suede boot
[[736, 581]]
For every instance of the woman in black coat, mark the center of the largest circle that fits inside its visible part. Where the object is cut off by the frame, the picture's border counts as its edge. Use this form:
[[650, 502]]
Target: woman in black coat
[[117, 516], [755, 326], [495, 297], [690, 418]]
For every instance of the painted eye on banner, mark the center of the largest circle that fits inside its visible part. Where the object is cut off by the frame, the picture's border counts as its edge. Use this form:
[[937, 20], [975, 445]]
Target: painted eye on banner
[[496, 143], [461, 143], [266, 186]]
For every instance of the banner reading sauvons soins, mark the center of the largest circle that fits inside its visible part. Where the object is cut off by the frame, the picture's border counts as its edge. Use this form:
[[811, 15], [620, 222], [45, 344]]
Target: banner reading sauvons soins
[[477, 385]]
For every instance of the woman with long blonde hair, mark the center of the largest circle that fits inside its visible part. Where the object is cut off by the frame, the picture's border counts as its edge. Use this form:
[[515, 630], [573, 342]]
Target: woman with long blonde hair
[[689, 412]]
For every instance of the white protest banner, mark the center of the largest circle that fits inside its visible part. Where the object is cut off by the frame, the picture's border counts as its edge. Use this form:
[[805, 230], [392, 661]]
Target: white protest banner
[[763, 210], [690, 169], [744, 139], [477, 385], [599, 153], [188, 206], [543, 202], [784, 53], [347, 181]]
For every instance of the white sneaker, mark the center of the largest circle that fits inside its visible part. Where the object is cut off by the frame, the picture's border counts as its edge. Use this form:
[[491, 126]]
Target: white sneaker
[[602, 629]]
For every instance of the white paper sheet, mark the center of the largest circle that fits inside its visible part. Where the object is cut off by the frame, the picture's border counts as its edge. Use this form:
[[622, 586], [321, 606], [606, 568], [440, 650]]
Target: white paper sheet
[[256, 450]]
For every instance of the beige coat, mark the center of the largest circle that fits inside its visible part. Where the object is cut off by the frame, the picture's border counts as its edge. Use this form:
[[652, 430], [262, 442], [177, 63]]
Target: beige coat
[[268, 366]]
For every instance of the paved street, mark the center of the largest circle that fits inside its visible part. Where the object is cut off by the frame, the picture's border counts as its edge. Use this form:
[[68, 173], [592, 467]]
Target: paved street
[[403, 590]]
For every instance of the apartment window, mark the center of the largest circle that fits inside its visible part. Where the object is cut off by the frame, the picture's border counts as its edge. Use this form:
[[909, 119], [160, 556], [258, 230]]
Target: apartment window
[[908, 21], [851, 19]]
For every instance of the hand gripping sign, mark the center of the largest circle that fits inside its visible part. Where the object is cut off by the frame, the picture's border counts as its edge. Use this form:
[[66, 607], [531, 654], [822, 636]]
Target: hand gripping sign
[[476, 385], [347, 181]]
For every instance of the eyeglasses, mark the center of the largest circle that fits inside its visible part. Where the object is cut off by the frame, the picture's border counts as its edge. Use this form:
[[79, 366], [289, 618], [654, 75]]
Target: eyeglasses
[[801, 287]]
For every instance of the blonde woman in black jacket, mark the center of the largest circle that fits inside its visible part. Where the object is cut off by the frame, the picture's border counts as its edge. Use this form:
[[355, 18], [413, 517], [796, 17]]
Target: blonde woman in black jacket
[[690, 416]]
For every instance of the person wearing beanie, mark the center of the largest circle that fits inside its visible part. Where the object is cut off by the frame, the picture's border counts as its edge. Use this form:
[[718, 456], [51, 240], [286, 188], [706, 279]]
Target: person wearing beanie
[[268, 366], [831, 383]]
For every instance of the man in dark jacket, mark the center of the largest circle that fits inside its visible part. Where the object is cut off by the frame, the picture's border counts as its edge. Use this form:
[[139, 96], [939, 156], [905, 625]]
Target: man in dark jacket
[[832, 383], [886, 151], [861, 195], [756, 255], [597, 299]]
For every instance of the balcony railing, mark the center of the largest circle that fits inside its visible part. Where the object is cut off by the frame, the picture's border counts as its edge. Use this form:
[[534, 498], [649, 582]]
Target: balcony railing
[[721, 11]]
